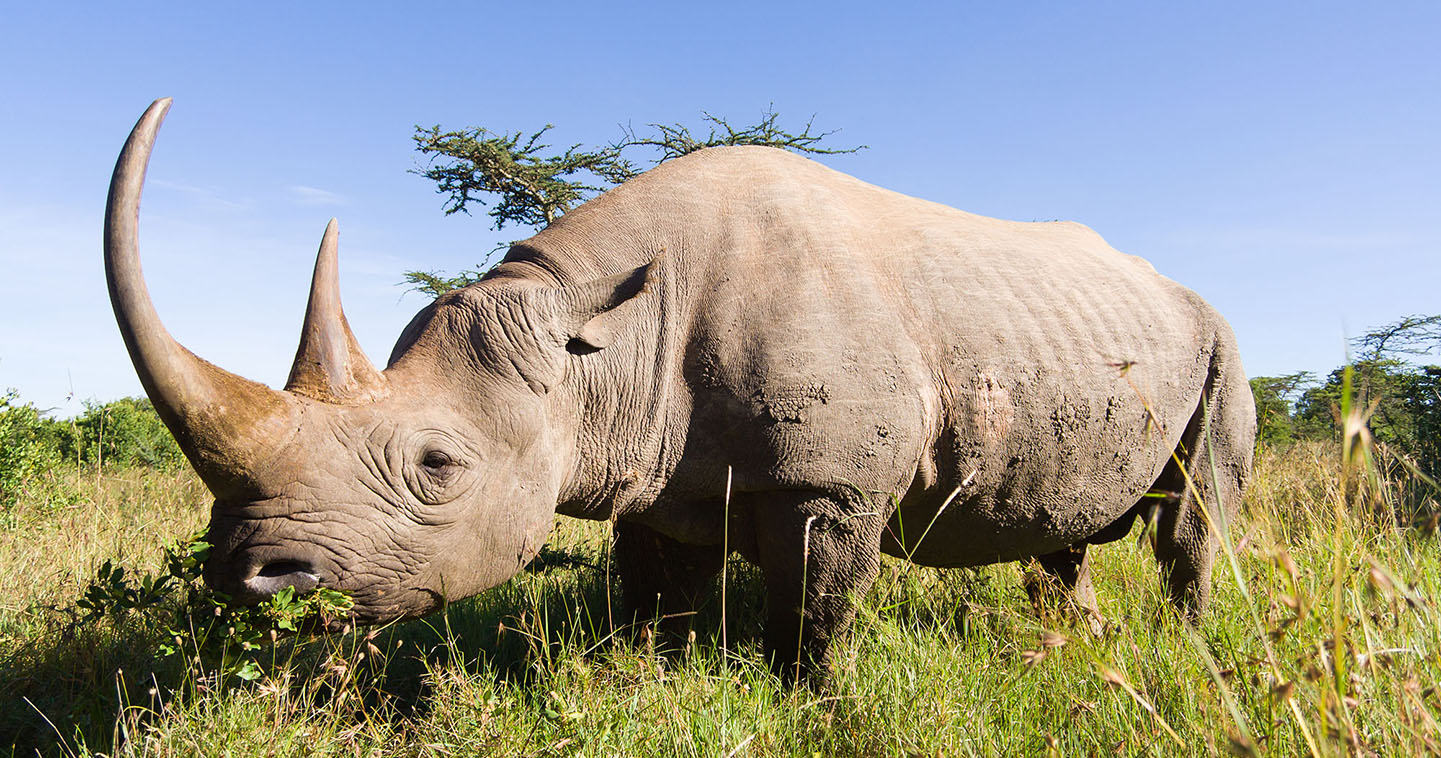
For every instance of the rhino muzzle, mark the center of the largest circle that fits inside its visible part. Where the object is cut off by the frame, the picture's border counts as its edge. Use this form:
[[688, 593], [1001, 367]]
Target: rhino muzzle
[[250, 582]]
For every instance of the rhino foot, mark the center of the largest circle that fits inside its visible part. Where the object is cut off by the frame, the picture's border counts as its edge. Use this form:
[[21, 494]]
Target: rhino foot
[[1065, 576], [662, 581], [819, 555]]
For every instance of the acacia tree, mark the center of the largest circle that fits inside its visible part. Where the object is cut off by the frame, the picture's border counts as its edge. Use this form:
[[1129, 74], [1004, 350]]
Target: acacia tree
[[1412, 335], [1276, 398], [526, 183], [1403, 398]]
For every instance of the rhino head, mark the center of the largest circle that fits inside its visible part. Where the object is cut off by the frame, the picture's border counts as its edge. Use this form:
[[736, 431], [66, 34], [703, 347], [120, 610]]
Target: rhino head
[[431, 480]]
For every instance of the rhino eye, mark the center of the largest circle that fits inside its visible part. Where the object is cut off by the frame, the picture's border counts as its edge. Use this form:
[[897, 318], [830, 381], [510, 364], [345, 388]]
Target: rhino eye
[[441, 470], [437, 461]]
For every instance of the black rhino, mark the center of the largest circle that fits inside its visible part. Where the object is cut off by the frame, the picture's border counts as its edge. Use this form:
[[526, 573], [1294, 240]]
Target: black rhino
[[881, 374]]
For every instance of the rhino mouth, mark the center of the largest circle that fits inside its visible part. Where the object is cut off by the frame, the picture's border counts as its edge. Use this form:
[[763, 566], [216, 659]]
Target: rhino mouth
[[278, 575], [257, 581], [251, 573], [251, 567]]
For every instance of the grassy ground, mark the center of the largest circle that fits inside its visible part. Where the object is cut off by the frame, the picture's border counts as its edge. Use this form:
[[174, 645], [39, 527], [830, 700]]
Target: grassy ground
[[1324, 638]]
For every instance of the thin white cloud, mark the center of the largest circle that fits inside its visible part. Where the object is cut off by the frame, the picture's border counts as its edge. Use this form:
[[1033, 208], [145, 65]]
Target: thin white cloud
[[202, 194], [304, 195]]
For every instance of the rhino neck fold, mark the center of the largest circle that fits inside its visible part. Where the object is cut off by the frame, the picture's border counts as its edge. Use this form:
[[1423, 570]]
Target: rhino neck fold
[[620, 405]]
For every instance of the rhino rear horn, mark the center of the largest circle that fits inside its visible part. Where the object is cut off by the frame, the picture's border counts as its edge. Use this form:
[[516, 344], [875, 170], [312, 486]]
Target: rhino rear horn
[[226, 424], [329, 364]]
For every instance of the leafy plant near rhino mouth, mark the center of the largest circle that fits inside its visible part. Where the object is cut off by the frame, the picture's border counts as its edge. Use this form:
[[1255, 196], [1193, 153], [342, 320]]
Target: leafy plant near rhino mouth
[[202, 623]]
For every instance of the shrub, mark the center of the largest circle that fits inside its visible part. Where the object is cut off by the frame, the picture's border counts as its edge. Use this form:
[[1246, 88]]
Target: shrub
[[199, 622], [1402, 404], [1275, 405], [124, 432], [24, 452]]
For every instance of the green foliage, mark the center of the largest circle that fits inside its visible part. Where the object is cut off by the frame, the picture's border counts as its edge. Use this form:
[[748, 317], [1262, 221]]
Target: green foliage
[[675, 140], [1402, 402], [531, 185], [120, 433], [25, 452], [533, 189], [124, 432], [1399, 400], [1424, 402], [36, 450], [1275, 397], [436, 283], [199, 622]]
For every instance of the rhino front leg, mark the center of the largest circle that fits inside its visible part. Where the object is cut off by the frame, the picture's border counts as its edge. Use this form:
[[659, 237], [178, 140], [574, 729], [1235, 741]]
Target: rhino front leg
[[1069, 571], [662, 581], [819, 556]]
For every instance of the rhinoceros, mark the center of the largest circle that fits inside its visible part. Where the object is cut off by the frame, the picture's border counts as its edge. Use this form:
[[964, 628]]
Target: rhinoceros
[[741, 349]]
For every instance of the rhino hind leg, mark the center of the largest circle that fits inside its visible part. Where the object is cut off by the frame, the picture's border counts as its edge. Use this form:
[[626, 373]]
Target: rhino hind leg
[[1215, 451], [662, 581], [1065, 575], [819, 555]]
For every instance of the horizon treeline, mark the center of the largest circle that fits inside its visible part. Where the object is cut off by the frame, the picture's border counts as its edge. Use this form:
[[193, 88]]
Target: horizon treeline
[[119, 434], [1397, 392]]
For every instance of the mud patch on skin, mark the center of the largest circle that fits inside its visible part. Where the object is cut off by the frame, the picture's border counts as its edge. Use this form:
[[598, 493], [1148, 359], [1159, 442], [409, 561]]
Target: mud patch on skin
[[1067, 417], [789, 404]]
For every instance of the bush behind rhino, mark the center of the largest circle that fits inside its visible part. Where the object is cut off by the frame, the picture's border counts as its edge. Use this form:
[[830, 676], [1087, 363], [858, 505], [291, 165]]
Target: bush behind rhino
[[36, 449], [25, 448], [124, 432]]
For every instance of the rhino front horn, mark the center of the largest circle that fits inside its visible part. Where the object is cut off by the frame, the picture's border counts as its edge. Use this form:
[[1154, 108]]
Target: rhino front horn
[[329, 364], [227, 425]]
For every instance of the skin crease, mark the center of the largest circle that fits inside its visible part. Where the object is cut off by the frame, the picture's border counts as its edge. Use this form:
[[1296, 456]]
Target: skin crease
[[877, 372]]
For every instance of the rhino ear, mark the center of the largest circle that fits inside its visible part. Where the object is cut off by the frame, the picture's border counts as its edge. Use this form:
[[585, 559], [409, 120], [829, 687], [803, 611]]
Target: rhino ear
[[589, 316]]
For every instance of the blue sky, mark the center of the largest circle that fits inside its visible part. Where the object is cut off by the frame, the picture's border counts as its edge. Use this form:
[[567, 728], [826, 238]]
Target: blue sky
[[1281, 159]]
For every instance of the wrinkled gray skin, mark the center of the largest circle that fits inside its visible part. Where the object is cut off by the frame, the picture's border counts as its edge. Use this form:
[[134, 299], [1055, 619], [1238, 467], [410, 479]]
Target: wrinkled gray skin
[[832, 343]]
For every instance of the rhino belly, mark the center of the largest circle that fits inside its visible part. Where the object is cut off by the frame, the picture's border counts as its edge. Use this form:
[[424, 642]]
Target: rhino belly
[[1057, 474], [982, 530]]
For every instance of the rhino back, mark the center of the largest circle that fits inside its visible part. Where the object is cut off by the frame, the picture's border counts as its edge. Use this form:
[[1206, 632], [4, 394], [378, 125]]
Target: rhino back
[[814, 331]]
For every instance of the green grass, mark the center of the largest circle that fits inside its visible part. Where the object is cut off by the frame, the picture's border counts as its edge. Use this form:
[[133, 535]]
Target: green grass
[[1330, 642]]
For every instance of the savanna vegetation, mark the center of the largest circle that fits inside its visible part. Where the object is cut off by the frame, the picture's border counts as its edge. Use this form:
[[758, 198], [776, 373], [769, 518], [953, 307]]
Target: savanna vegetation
[[1324, 637]]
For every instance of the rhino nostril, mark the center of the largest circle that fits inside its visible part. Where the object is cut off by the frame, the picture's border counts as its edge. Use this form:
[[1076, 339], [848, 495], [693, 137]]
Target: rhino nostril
[[277, 575]]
